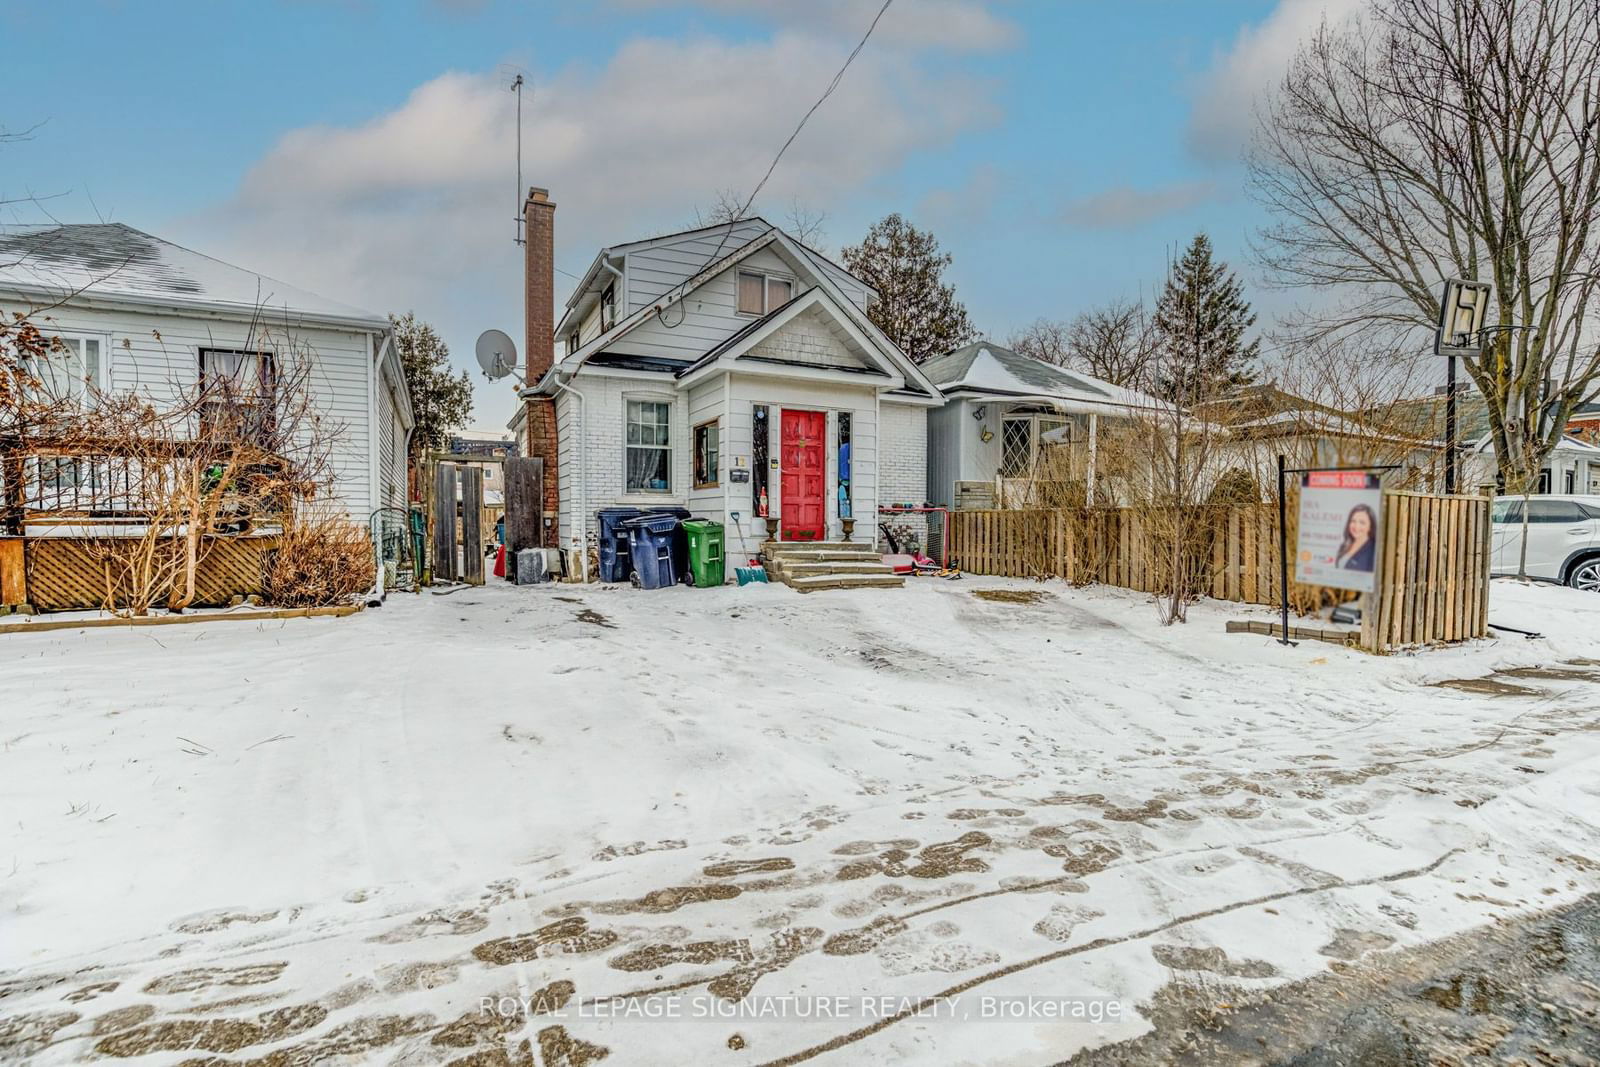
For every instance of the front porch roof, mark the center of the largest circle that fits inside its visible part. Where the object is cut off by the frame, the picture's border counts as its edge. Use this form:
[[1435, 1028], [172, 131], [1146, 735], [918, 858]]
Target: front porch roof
[[984, 370]]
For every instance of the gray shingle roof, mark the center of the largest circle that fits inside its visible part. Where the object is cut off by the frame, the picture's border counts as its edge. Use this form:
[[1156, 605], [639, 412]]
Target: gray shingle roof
[[115, 261]]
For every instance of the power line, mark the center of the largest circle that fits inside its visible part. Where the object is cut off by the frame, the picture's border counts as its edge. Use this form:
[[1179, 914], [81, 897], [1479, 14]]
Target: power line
[[812, 110]]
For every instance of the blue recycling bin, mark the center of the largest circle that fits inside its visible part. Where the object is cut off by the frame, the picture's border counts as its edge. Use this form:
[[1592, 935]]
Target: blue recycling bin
[[615, 563], [652, 543], [680, 539]]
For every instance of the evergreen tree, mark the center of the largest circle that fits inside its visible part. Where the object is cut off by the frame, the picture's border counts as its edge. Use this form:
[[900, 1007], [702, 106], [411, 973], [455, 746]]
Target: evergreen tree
[[440, 400], [915, 308], [1200, 322]]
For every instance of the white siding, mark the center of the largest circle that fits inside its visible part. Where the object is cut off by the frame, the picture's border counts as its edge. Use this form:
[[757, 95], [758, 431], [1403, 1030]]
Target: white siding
[[748, 390], [156, 352], [393, 490], [653, 271], [705, 405], [704, 319]]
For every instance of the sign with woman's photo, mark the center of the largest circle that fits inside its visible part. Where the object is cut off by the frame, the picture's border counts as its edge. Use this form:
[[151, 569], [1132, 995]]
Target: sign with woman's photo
[[1338, 543]]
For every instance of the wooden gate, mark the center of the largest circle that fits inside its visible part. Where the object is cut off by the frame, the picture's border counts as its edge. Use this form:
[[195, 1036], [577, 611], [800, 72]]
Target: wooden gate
[[444, 522], [524, 507], [471, 525]]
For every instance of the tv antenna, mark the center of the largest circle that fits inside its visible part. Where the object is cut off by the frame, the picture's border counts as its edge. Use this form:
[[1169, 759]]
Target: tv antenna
[[517, 236]]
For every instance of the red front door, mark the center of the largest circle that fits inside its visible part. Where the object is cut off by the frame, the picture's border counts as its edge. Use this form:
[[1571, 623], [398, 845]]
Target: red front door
[[803, 477]]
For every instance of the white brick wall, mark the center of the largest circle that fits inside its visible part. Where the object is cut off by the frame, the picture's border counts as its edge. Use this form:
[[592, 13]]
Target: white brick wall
[[903, 462], [602, 451]]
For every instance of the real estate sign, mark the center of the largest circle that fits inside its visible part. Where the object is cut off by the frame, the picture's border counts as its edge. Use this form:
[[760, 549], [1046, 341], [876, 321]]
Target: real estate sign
[[1338, 541]]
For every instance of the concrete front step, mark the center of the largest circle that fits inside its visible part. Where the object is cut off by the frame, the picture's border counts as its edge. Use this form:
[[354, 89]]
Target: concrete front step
[[852, 549], [798, 567], [808, 583], [784, 558]]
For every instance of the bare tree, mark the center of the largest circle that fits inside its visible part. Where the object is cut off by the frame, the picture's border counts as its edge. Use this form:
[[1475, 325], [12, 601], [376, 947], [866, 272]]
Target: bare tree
[[1439, 138], [806, 224], [1043, 339], [1113, 342], [801, 221]]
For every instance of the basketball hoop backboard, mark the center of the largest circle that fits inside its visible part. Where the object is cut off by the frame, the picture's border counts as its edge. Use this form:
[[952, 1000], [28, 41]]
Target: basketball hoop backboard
[[1463, 309]]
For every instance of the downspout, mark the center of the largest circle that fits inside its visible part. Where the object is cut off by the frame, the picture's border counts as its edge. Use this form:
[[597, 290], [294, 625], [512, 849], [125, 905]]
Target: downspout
[[580, 515]]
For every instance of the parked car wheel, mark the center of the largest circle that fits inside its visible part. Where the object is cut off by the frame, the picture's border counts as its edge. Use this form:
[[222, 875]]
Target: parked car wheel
[[1585, 575]]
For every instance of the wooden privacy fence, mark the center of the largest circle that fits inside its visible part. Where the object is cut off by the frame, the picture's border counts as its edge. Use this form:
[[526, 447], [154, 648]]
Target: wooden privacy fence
[[1231, 553], [1432, 576], [64, 573]]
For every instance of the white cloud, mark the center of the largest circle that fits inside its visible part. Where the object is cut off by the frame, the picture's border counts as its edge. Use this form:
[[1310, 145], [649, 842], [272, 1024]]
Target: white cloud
[[1125, 207], [962, 25], [1224, 109], [415, 208]]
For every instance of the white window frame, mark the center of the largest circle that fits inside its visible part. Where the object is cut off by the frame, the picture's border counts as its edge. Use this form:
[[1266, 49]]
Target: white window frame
[[102, 376], [767, 278], [1036, 432], [667, 402]]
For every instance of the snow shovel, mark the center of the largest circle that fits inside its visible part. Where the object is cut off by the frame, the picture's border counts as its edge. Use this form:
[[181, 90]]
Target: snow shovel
[[753, 573]]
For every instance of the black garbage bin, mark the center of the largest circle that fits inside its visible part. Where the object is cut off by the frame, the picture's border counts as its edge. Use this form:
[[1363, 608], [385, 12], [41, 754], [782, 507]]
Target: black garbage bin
[[651, 541], [615, 564]]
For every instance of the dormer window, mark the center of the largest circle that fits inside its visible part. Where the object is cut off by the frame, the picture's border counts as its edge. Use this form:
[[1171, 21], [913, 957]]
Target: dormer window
[[760, 293], [572, 342], [608, 307]]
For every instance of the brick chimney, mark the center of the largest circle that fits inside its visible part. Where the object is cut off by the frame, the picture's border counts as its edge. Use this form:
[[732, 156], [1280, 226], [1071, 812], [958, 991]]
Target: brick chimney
[[539, 303]]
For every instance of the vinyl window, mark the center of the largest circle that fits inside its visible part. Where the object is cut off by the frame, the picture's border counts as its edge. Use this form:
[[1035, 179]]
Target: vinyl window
[[707, 454], [760, 293], [72, 370], [649, 446]]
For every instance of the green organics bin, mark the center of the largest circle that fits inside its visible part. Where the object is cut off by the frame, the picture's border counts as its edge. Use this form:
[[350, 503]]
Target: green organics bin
[[705, 552]]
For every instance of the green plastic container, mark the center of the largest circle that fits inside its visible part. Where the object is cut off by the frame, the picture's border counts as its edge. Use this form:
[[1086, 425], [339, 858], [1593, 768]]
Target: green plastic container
[[705, 552]]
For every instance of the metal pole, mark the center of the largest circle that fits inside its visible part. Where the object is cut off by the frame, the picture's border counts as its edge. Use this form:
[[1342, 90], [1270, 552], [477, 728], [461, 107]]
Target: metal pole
[[1283, 551], [1450, 426]]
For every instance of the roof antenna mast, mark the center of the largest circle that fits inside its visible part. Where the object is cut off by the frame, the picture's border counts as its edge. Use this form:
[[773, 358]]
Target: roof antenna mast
[[516, 87]]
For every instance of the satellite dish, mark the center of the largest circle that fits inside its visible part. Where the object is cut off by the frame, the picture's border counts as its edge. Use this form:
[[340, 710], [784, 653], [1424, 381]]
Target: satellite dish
[[497, 354]]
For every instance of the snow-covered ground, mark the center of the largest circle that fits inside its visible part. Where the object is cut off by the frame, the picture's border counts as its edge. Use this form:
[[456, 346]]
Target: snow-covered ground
[[745, 826]]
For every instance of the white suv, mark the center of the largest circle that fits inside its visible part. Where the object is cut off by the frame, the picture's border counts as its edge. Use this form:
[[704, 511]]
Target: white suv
[[1563, 538]]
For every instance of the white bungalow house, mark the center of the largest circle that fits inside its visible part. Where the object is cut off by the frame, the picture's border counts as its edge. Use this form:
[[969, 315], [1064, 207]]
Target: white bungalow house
[[729, 370], [139, 313], [1004, 412]]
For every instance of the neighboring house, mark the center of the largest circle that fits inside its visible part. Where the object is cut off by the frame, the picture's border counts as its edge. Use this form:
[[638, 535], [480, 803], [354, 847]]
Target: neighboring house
[[137, 312], [1573, 465], [987, 446], [1258, 423], [729, 370]]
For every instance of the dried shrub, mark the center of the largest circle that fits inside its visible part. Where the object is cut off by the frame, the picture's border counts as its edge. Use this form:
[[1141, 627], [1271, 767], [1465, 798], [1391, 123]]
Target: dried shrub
[[320, 561]]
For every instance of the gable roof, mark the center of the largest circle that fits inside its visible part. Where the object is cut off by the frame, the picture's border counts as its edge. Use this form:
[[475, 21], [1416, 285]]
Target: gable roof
[[916, 382], [739, 344], [990, 369], [115, 262]]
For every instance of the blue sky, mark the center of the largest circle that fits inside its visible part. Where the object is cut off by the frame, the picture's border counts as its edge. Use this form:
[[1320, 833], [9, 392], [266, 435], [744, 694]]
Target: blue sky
[[364, 149]]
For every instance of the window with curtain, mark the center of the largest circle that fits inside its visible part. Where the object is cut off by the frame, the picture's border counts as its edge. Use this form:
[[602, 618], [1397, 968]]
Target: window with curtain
[[760, 293], [237, 385], [752, 293], [649, 446], [707, 453], [70, 372]]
